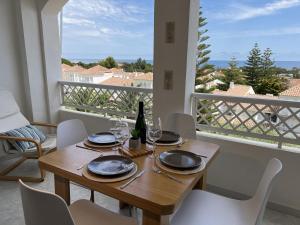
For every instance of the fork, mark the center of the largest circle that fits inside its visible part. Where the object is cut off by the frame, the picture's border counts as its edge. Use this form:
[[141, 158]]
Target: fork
[[158, 171]]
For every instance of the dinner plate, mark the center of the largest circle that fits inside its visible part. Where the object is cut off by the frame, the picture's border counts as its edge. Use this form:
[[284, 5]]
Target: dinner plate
[[179, 159], [103, 138], [111, 165], [168, 137]]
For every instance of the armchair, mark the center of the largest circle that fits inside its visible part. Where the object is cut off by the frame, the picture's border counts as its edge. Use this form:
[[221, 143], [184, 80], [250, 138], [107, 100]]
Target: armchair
[[11, 118]]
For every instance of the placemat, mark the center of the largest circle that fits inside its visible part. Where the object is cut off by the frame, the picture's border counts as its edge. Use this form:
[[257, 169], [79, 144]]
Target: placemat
[[182, 172], [135, 153], [102, 179], [91, 145]]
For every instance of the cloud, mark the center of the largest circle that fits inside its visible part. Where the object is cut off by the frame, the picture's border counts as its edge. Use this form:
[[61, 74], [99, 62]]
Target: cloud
[[79, 22], [104, 33], [103, 18], [109, 10], [258, 33], [243, 12]]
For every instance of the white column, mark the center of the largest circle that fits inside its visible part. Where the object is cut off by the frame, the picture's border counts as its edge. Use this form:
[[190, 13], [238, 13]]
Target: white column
[[175, 52], [31, 58], [40, 55], [51, 45]]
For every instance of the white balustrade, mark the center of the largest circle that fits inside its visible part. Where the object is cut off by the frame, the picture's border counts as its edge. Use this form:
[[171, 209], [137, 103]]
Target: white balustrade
[[266, 119]]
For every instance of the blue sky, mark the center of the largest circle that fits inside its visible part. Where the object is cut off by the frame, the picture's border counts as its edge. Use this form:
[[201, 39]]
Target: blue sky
[[124, 28]]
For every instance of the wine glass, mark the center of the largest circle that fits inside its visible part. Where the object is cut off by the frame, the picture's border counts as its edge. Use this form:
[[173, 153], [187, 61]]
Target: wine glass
[[116, 131], [124, 131], [154, 133]]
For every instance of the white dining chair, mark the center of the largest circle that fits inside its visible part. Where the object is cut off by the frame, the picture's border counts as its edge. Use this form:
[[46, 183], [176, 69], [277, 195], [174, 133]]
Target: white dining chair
[[71, 132], [45, 208], [183, 124], [204, 208]]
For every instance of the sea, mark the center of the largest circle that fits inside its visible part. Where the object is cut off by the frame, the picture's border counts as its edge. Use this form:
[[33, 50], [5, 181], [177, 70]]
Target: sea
[[219, 64]]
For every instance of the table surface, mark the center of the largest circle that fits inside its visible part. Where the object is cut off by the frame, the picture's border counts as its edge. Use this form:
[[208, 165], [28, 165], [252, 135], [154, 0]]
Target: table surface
[[152, 192]]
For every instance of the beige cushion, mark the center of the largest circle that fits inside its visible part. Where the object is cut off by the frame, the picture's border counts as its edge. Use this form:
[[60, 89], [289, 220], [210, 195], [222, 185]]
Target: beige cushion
[[6, 150], [86, 213], [47, 145]]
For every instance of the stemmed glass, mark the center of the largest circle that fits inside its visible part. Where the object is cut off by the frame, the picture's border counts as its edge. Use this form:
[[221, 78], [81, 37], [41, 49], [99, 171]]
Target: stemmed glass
[[154, 133], [121, 132], [116, 131], [124, 132]]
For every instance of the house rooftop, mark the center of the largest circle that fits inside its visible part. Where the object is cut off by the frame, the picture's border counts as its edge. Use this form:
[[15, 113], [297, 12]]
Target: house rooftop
[[292, 92], [236, 90], [294, 82], [95, 70], [74, 69], [144, 76], [118, 81], [117, 70]]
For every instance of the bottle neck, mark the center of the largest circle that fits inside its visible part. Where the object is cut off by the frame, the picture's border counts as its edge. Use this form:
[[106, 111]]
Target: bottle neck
[[141, 109]]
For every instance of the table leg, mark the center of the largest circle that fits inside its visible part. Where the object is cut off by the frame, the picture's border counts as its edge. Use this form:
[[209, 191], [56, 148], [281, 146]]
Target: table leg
[[122, 205], [62, 188], [151, 219], [201, 184]]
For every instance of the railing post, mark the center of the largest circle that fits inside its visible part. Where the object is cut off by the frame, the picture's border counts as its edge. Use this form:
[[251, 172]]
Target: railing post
[[194, 107]]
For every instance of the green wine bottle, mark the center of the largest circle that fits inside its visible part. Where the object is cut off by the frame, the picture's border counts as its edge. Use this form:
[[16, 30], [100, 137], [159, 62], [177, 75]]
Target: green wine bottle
[[140, 124]]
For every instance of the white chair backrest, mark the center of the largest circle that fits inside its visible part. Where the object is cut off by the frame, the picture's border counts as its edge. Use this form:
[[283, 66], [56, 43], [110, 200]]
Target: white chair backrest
[[44, 208], [70, 132], [10, 115], [182, 124], [263, 192]]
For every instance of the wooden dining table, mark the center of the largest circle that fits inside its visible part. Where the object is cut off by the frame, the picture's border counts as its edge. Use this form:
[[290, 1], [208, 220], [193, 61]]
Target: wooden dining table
[[155, 194]]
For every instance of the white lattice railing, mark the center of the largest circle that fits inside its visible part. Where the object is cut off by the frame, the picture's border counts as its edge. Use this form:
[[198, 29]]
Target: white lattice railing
[[105, 99], [266, 119]]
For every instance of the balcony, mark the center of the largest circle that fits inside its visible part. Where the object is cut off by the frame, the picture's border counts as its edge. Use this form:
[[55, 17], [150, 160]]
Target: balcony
[[250, 131], [276, 122]]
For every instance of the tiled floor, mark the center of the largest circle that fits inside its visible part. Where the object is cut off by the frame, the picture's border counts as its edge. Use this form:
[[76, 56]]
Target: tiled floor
[[11, 209]]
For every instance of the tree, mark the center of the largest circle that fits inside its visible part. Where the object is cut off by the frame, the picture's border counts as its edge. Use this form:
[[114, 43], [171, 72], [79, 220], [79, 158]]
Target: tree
[[268, 68], [253, 68], [140, 65], [67, 62], [204, 69], [86, 65], [109, 62], [232, 74], [271, 85]]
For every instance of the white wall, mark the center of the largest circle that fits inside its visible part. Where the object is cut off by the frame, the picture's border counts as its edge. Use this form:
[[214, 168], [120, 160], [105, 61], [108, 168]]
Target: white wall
[[93, 123], [239, 167], [11, 74], [30, 55]]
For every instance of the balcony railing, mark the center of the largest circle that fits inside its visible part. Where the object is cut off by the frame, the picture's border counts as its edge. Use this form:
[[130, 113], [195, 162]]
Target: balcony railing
[[107, 100], [271, 120]]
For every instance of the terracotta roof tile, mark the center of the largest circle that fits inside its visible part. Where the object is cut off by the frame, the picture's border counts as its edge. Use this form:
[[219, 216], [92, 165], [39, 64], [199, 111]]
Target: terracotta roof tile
[[293, 91], [117, 81], [144, 76], [237, 90], [117, 70], [65, 67], [74, 69], [294, 82], [96, 70]]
